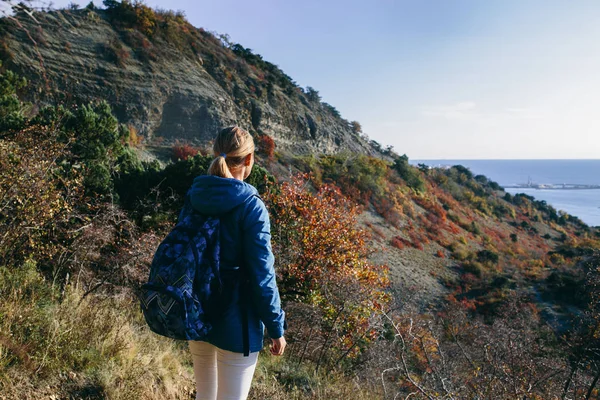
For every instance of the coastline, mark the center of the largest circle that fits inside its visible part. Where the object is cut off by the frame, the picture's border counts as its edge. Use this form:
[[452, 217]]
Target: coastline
[[551, 186], [570, 185], [581, 203]]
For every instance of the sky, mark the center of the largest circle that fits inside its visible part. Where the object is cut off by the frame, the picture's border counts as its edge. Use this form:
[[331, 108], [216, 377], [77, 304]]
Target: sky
[[435, 79]]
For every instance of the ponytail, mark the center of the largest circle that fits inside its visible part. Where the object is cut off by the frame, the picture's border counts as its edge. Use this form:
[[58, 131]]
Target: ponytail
[[219, 167], [232, 146]]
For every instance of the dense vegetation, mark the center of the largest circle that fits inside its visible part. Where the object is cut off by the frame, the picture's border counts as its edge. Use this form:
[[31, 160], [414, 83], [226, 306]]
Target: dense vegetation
[[80, 217], [149, 40]]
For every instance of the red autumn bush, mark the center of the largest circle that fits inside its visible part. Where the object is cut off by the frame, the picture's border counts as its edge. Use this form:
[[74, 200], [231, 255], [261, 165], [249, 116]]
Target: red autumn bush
[[183, 151], [266, 145], [322, 261], [400, 243]]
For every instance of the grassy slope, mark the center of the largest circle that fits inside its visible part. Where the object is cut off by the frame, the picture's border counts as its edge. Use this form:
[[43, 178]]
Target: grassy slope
[[447, 229]]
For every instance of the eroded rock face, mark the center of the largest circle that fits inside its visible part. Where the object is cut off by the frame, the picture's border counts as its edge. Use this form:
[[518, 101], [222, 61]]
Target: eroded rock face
[[173, 97]]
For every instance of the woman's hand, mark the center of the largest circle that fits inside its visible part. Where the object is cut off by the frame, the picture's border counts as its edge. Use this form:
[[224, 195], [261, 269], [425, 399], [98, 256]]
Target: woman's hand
[[278, 346]]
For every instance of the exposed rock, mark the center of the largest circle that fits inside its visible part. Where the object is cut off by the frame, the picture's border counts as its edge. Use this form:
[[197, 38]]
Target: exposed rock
[[167, 93]]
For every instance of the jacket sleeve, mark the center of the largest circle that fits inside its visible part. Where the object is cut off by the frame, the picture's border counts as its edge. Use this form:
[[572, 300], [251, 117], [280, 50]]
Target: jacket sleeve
[[259, 261]]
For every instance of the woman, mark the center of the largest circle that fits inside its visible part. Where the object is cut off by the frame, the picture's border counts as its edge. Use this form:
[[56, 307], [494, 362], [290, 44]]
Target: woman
[[221, 369]]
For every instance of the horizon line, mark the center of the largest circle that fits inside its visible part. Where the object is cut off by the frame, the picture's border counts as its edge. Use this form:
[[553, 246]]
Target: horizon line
[[504, 159]]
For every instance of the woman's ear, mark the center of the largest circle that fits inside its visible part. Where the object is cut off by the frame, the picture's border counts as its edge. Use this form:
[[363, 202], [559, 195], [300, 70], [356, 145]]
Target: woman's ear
[[248, 160]]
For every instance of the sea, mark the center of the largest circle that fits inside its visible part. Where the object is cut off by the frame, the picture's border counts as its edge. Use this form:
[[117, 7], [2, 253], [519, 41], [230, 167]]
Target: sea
[[582, 203]]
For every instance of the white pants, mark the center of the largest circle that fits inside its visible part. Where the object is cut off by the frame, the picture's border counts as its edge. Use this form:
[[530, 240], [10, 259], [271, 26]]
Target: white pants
[[221, 374]]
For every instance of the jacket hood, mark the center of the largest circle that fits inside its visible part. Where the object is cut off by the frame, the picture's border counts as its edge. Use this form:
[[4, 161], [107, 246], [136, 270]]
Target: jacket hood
[[213, 195]]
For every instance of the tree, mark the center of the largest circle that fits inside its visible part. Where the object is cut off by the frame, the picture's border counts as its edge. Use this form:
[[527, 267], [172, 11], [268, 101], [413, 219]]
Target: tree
[[111, 4], [226, 40], [334, 111], [356, 127], [98, 142], [313, 95], [424, 168], [409, 173]]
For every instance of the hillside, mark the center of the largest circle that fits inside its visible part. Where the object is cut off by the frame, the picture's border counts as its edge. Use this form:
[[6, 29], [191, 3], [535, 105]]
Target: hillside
[[179, 83], [168, 79], [398, 281]]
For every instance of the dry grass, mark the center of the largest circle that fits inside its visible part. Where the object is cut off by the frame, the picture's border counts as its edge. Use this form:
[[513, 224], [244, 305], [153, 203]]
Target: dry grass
[[283, 379], [58, 343]]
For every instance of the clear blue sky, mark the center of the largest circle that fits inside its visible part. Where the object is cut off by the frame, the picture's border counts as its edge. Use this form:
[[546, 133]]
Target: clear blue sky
[[454, 79]]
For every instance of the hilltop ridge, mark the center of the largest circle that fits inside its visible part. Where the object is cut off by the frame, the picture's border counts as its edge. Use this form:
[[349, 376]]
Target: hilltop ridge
[[169, 80]]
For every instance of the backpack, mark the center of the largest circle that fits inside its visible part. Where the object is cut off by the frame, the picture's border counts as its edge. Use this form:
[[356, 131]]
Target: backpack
[[183, 292]]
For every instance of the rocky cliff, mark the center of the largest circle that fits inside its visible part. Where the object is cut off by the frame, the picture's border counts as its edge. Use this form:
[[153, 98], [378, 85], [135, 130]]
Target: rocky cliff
[[171, 80]]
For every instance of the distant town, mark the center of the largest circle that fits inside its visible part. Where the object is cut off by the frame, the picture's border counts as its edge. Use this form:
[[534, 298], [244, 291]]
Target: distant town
[[532, 185], [550, 186]]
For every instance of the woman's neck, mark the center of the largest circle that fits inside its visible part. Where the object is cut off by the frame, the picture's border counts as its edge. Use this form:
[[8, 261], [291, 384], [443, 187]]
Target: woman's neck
[[239, 173]]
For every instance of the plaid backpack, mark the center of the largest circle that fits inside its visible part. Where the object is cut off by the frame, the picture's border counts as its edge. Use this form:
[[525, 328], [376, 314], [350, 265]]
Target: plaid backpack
[[183, 293]]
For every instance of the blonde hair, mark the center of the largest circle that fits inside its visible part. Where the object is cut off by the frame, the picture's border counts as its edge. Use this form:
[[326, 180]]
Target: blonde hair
[[232, 146]]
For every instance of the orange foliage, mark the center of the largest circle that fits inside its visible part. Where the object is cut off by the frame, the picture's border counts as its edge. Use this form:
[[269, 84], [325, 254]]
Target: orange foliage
[[418, 240], [134, 138], [389, 210], [38, 196], [433, 207], [322, 257], [399, 242], [452, 228]]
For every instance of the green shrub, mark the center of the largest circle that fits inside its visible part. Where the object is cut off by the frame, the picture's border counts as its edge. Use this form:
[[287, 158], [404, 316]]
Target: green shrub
[[260, 178], [461, 254], [411, 175], [462, 174], [474, 267], [152, 193], [97, 142], [453, 217], [474, 228], [12, 110], [487, 256]]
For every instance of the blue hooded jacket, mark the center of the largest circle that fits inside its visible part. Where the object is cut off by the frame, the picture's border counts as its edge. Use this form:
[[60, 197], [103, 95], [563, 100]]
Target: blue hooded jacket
[[245, 237]]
